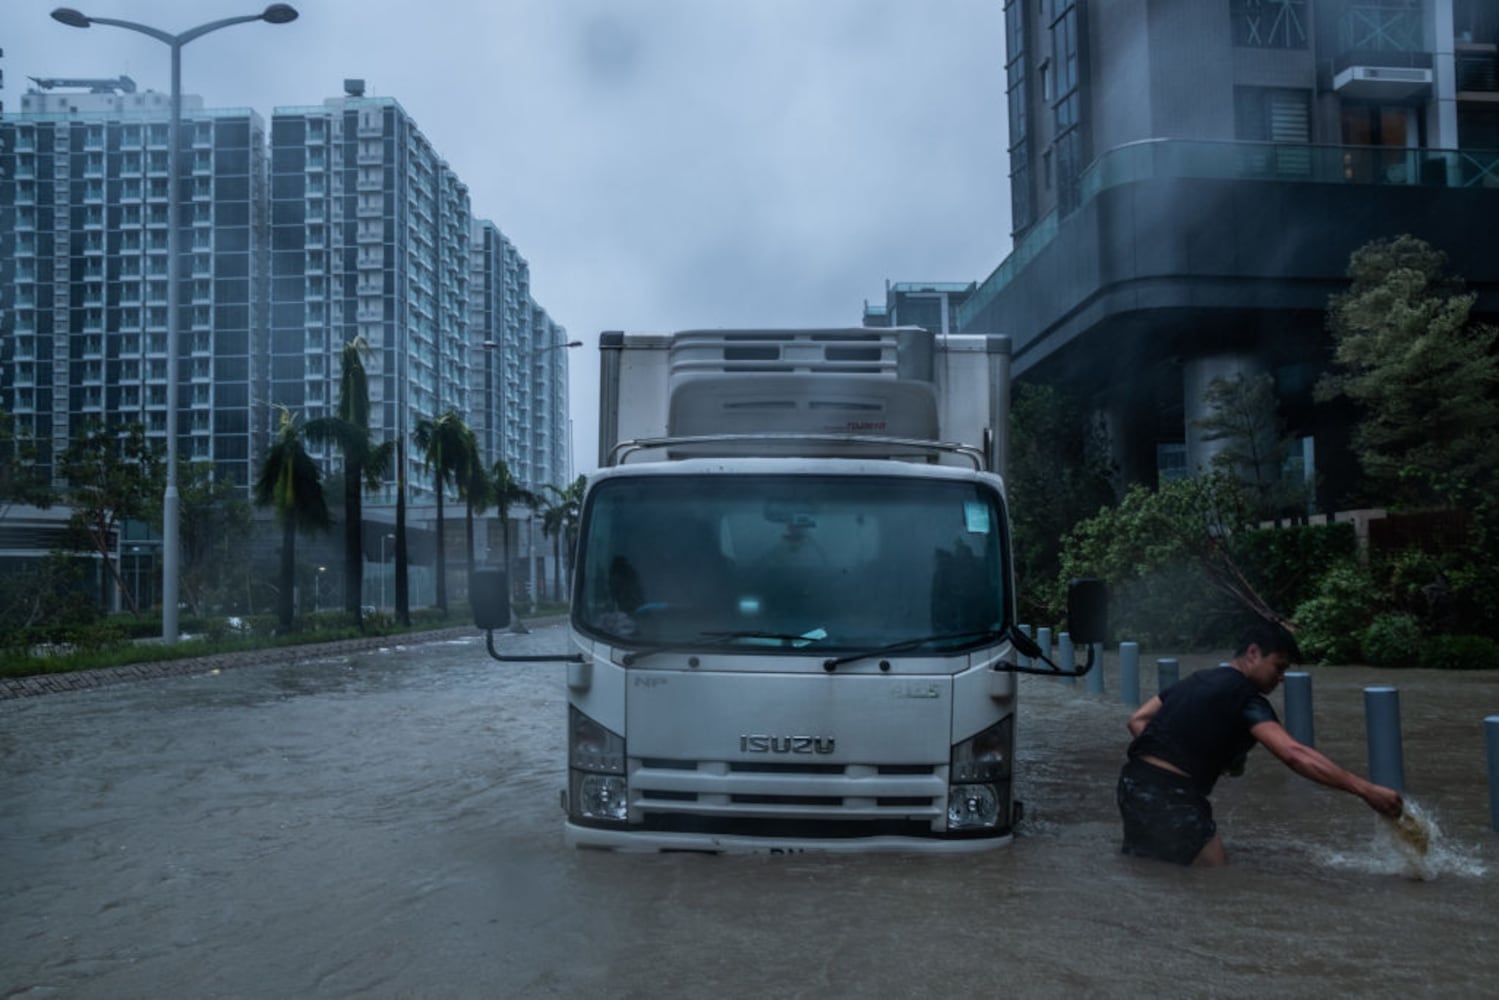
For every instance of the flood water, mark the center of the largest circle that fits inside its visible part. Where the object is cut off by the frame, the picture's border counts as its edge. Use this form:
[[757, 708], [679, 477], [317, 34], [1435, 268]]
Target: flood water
[[387, 825]]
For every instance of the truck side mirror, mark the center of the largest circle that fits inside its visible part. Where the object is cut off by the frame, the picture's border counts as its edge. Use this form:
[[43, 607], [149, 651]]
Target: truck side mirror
[[489, 597], [1087, 610]]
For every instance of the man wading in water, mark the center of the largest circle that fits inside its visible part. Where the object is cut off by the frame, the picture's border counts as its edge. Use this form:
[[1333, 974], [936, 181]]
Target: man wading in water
[[1205, 725]]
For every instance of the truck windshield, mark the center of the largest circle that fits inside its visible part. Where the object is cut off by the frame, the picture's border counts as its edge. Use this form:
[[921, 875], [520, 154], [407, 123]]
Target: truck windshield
[[790, 563]]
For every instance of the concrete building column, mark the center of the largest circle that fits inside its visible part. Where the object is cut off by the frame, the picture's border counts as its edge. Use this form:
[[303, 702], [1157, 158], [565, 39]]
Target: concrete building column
[[1197, 375], [1125, 425], [1441, 111]]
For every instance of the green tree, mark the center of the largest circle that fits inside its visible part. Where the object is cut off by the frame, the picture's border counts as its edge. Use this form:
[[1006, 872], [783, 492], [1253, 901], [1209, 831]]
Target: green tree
[[290, 483], [1160, 550], [1424, 379], [1244, 414], [366, 464], [476, 490], [444, 446], [508, 491], [560, 523], [113, 474], [215, 530], [1057, 476]]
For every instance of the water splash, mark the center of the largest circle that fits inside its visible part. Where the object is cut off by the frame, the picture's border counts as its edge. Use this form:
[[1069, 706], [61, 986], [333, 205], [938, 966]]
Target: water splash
[[1412, 846]]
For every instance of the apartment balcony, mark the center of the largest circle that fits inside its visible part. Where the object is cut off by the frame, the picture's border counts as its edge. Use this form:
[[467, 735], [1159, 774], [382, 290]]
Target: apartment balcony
[[1381, 52]]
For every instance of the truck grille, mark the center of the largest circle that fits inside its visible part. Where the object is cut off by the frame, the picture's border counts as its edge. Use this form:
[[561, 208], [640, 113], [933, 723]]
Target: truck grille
[[719, 796]]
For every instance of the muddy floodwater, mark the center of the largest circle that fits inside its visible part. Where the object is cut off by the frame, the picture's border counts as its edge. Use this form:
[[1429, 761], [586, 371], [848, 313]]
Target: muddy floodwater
[[387, 825]]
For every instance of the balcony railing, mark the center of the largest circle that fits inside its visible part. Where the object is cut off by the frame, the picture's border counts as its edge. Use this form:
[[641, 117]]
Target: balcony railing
[[1161, 159]]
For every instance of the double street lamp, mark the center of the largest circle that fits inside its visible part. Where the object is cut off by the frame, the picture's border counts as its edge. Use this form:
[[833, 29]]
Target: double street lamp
[[276, 13]]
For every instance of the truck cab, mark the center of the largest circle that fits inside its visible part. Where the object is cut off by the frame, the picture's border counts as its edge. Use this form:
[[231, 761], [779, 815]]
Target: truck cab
[[793, 614]]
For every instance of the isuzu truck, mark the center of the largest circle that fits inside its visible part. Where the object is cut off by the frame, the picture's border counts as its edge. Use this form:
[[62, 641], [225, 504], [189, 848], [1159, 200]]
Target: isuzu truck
[[792, 607]]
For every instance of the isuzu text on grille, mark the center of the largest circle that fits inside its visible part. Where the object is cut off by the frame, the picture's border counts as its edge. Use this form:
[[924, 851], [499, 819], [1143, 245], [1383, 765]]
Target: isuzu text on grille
[[786, 744]]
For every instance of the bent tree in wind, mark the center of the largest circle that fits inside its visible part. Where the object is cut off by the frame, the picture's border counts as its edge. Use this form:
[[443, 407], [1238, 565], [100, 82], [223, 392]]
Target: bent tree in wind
[[366, 463], [290, 483], [444, 444]]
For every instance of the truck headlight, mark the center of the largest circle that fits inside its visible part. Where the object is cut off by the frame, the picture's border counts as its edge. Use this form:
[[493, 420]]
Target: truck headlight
[[972, 807], [600, 796], [979, 778], [597, 787]]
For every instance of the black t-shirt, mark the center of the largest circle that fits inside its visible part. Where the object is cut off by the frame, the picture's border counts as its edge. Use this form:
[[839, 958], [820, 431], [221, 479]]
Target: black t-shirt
[[1203, 724]]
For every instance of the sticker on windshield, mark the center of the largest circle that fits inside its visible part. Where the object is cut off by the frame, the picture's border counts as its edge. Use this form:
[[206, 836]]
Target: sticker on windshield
[[976, 517]]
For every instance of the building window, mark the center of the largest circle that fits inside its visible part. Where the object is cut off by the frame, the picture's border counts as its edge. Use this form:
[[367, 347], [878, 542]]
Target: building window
[[1278, 122], [1269, 24], [1272, 114]]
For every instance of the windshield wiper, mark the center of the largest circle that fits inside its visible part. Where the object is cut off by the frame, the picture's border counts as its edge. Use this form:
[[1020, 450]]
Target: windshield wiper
[[711, 639], [975, 636]]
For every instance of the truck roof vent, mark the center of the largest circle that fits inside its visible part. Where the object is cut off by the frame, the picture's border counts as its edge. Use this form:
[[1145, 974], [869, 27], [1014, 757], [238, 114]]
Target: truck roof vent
[[897, 352], [777, 403]]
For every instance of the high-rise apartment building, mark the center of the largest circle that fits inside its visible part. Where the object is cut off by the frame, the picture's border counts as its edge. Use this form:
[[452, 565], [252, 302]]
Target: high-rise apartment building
[[519, 378], [343, 222], [369, 239], [1189, 178], [83, 271]]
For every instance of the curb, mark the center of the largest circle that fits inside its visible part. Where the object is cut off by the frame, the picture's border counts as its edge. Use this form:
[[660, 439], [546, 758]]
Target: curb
[[82, 680]]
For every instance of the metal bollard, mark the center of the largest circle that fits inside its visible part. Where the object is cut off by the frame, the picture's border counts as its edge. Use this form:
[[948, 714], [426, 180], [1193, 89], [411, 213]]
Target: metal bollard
[[1095, 676], [1299, 707], [1167, 673], [1129, 673], [1382, 729], [1066, 659], [1491, 737], [1021, 660], [1043, 639]]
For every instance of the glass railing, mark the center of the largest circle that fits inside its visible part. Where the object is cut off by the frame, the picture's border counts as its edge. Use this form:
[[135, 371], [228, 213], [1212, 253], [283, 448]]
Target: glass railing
[[1158, 159]]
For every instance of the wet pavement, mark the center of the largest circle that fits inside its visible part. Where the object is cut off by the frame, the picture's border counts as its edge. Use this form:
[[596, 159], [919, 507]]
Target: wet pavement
[[386, 824]]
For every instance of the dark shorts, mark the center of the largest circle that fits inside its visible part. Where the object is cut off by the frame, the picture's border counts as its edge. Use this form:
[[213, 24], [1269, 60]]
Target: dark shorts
[[1164, 814]]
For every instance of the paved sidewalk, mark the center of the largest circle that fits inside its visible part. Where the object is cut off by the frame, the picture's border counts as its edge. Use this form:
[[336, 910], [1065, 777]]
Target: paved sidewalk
[[78, 680]]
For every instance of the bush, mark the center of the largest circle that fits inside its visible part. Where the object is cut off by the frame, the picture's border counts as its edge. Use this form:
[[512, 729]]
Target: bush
[[1285, 565], [1330, 625], [1460, 652], [1392, 640]]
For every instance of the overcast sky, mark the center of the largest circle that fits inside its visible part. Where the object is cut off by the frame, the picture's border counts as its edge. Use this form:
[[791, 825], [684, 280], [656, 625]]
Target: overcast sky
[[662, 164]]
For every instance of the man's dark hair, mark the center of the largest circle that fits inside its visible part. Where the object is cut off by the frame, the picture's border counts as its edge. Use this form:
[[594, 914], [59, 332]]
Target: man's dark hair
[[1271, 638]]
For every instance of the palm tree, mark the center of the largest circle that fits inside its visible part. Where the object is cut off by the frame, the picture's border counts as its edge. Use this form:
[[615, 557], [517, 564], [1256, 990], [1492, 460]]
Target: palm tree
[[444, 446], [507, 490], [560, 521], [291, 483], [476, 490], [365, 464]]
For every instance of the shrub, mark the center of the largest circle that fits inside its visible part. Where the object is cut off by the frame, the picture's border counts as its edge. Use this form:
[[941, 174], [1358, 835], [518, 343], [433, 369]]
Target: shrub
[[1392, 640], [1460, 652], [1286, 564], [1330, 625]]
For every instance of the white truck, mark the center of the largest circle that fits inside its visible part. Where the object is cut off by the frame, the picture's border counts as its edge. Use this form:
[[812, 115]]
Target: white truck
[[793, 614]]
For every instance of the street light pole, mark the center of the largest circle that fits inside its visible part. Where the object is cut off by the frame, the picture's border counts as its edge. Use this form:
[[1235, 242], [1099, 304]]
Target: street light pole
[[276, 13], [384, 573]]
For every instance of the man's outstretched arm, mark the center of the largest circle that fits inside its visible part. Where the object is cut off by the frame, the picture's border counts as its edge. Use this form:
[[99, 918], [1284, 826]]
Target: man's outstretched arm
[[1319, 767]]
